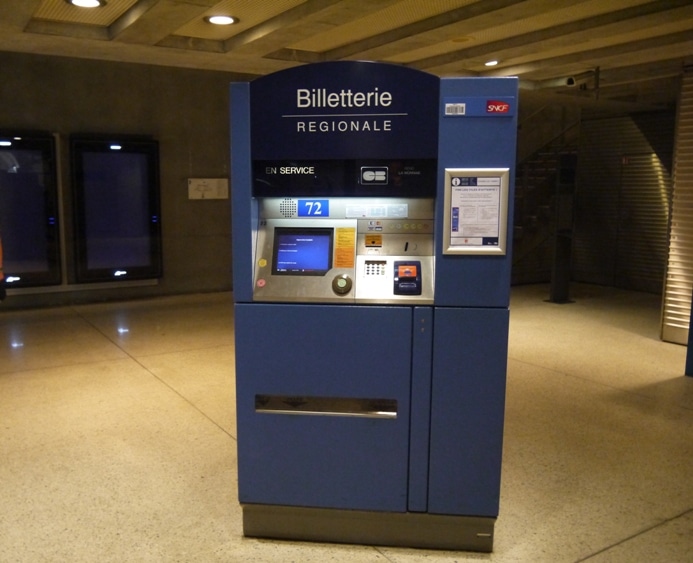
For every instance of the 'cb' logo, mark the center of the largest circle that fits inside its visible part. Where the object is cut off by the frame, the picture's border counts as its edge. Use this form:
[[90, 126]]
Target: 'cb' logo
[[496, 106], [374, 175]]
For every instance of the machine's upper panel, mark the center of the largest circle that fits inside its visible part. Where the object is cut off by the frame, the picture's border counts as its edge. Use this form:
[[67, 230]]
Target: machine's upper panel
[[345, 111]]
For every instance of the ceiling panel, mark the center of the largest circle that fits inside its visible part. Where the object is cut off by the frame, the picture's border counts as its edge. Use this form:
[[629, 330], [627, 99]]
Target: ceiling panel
[[638, 46], [395, 16], [606, 53], [249, 13], [59, 10]]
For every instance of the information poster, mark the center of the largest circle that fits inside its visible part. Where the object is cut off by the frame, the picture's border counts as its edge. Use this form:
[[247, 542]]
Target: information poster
[[476, 210], [345, 247]]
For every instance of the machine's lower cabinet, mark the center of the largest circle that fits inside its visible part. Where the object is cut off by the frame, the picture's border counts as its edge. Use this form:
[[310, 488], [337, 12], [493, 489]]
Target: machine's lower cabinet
[[324, 401], [323, 405]]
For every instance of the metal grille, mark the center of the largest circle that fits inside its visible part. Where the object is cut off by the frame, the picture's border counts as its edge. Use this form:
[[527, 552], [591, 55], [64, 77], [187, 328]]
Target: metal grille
[[622, 201], [288, 207], [676, 309], [643, 221]]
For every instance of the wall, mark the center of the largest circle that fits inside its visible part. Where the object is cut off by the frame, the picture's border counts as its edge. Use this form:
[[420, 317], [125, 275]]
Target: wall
[[186, 110]]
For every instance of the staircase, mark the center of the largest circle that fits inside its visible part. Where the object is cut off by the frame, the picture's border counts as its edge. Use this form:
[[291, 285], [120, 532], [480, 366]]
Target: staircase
[[534, 226]]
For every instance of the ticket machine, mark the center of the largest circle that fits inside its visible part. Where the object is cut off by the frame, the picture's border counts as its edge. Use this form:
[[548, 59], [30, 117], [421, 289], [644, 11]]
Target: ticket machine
[[371, 282]]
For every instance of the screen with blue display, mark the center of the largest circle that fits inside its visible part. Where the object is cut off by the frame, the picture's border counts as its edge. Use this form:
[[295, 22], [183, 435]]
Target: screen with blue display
[[29, 236], [302, 251], [116, 194]]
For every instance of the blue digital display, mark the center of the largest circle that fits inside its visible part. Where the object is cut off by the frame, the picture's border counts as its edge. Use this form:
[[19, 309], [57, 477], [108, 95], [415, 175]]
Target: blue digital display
[[313, 207], [302, 252]]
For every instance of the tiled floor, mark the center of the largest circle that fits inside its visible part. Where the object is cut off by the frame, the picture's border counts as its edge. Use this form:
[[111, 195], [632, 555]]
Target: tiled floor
[[117, 435]]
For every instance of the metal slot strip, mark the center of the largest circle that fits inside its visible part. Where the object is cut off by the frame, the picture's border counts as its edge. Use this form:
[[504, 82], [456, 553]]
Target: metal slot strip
[[326, 406]]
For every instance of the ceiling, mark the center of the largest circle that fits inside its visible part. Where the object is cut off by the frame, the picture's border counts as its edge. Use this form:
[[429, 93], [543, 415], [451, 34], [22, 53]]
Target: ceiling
[[606, 51]]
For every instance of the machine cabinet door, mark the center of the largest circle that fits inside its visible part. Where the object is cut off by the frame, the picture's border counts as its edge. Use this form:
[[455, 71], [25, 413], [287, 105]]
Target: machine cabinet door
[[467, 410], [295, 353]]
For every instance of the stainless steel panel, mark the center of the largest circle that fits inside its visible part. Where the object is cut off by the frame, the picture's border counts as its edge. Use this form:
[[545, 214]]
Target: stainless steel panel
[[385, 230], [292, 288], [352, 207], [405, 529], [374, 280]]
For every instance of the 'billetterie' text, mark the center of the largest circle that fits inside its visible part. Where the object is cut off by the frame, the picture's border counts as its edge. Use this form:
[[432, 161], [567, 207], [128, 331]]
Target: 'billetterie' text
[[321, 98], [316, 98]]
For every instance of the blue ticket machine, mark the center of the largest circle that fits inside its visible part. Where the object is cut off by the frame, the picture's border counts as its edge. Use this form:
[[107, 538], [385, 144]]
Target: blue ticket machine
[[371, 267]]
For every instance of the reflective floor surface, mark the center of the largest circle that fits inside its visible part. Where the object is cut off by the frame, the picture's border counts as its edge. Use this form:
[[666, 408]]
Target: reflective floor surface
[[117, 432]]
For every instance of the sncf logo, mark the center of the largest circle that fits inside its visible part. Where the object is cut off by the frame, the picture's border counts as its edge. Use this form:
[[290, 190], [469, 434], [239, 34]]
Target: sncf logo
[[495, 106], [374, 175]]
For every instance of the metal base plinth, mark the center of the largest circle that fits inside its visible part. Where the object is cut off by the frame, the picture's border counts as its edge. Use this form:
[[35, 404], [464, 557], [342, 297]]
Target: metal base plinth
[[407, 529]]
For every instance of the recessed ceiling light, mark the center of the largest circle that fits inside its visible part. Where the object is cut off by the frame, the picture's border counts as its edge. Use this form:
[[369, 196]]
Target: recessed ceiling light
[[221, 20], [490, 63], [87, 3]]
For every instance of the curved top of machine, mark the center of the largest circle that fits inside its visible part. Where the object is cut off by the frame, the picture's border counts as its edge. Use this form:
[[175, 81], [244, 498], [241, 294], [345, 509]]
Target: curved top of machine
[[345, 110]]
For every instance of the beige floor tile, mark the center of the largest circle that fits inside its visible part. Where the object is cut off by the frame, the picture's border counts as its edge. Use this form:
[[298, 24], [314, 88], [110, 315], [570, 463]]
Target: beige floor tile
[[113, 466], [669, 541], [164, 325], [204, 377], [117, 426], [586, 465], [33, 341], [608, 336], [252, 550]]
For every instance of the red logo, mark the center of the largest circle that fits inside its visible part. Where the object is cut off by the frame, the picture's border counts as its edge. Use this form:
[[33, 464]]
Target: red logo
[[496, 106]]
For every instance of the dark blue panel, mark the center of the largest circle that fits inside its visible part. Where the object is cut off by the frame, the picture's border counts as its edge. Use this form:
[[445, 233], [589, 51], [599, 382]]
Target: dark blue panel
[[345, 110], [345, 177], [328, 351], [478, 141], [422, 341], [241, 201], [468, 399]]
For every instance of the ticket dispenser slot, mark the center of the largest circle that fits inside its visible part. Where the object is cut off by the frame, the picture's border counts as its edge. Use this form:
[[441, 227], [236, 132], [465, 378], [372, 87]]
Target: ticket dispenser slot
[[374, 241]]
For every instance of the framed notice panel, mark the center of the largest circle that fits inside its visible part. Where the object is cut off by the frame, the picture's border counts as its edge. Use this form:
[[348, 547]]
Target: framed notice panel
[[476, 210]]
